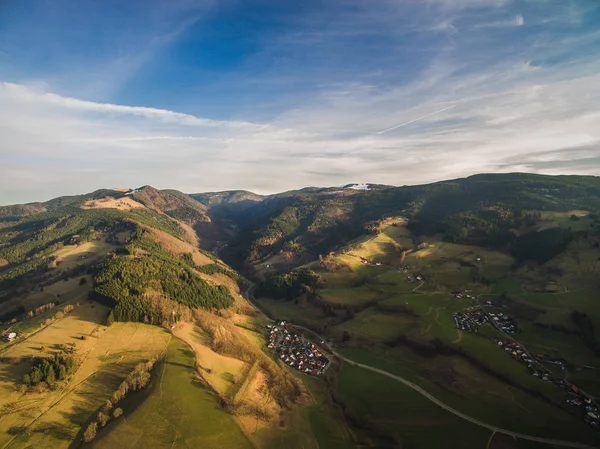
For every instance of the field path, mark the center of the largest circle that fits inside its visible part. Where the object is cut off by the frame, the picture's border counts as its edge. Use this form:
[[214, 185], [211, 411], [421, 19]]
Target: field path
[[427, 395]]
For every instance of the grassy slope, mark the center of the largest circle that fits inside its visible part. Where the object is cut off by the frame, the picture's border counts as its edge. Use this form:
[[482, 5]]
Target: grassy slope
[[176, 411]]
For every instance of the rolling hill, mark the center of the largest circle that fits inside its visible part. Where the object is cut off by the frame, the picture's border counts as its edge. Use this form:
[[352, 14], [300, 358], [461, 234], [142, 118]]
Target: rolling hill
[[126, 303]]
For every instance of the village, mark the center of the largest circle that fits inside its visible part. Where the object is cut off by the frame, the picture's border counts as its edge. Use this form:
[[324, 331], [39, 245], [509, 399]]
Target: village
[[535, 365], [295, 351], [472, 318]]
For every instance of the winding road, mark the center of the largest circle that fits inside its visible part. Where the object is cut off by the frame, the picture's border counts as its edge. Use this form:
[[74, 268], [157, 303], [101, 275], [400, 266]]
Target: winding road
[[422, 392]]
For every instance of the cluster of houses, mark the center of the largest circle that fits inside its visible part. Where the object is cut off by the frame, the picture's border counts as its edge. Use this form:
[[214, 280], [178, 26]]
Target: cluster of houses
[[502, 322], [462, 294], [535, 365], [367, 262], [417, 278], [521, 356], [294, 350], [470, 319]]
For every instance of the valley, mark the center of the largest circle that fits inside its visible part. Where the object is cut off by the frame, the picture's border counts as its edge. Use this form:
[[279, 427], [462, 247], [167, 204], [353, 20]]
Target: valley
[[455, 311]]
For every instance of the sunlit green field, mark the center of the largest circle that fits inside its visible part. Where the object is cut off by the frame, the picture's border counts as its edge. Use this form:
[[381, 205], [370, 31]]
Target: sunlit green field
[[175, 411]]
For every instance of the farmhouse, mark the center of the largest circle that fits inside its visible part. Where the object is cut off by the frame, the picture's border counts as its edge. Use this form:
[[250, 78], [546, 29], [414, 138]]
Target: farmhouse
[[11, 336]]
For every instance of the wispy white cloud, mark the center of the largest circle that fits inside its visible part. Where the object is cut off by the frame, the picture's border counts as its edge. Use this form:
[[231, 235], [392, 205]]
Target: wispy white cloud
[[24, 94], [522, 127], [517, 21], [468, 100]]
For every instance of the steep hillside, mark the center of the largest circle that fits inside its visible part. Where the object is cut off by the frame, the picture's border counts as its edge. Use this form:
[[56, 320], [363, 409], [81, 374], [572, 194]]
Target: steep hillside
[[173, 203], [488, 210]]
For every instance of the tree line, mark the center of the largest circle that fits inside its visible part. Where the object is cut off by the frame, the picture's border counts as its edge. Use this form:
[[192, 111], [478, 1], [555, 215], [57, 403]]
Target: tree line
[[138, 379]]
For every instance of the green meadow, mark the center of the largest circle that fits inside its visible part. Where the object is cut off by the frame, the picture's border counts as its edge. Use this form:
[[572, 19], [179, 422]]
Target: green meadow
[[176, 411]]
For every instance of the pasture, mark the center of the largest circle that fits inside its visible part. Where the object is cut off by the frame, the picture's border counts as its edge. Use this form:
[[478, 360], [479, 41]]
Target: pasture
[[176, 411], [464, 387], [388, 408], [64, 292], [55, 417], [551, 219], [222, 373], [371, 325], [304, 314], [358, 296], [71, 256]]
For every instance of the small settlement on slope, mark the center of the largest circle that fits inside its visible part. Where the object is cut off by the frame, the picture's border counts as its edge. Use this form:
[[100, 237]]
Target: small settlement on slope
[[294, 350]]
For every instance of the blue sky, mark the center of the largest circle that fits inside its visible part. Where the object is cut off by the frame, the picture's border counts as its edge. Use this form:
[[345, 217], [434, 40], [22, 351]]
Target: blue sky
[[270, 95]]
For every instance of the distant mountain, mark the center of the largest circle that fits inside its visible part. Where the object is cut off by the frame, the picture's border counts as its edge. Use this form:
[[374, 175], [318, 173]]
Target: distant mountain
[[212, 199], [148, 223], [301, 224], [25, 210], [481, 209]]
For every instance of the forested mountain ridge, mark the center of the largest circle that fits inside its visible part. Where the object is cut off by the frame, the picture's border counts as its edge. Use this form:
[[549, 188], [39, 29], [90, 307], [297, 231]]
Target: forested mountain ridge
[[487, 209], [142, 244], [481, 209], [97, 292]]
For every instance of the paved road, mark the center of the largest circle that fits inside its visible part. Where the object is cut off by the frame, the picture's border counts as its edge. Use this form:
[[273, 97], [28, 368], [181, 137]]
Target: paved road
[[424, 393], [460, 414]]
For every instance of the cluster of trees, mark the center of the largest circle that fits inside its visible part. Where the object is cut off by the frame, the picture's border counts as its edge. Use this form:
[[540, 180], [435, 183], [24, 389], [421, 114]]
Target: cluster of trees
[[43, 231], [125, 282], [13, 273], [41, 309], [136, 380], [160, 310], [50, 369], [157, 221], [289, 285]]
